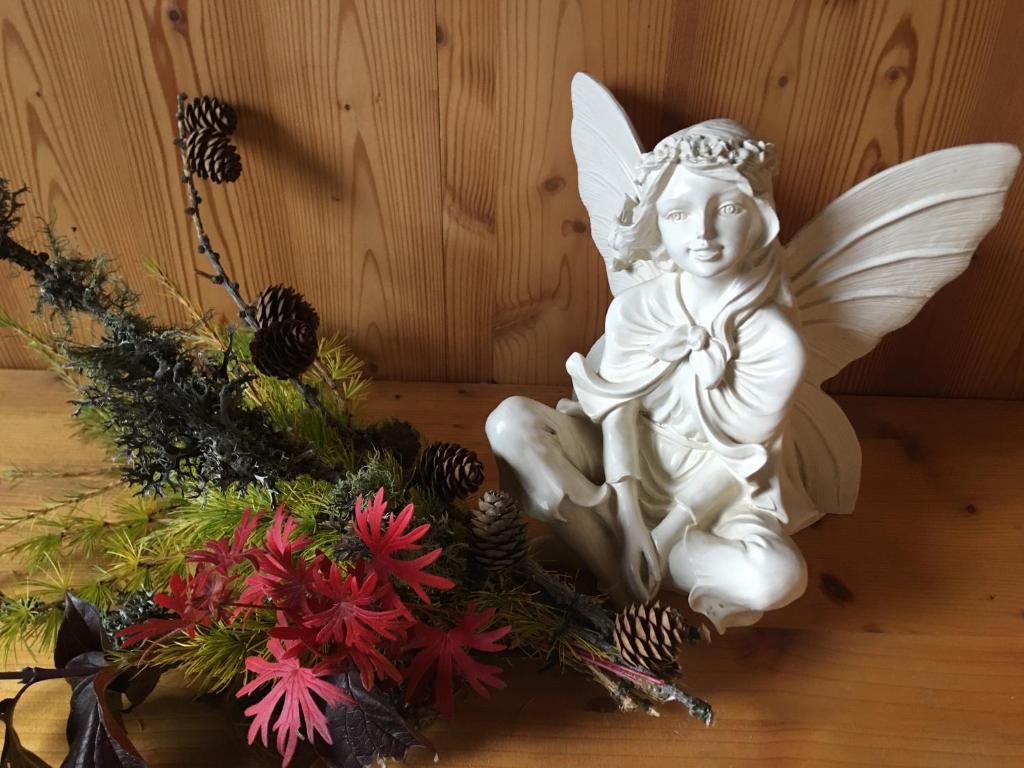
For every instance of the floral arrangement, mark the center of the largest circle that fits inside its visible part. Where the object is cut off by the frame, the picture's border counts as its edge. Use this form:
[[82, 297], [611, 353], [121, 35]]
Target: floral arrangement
[[325, 575]]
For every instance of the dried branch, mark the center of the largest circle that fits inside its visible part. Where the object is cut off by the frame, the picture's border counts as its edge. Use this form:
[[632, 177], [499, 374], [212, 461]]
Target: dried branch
[[220, 275], [595, 623], [653, 688]]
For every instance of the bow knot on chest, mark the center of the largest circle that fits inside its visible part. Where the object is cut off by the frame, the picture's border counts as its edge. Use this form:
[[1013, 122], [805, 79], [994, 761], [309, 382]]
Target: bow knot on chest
[[708, 355]]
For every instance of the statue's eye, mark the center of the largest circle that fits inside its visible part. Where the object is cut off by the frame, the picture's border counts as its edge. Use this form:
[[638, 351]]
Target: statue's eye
[[730, 209], [676, 215]]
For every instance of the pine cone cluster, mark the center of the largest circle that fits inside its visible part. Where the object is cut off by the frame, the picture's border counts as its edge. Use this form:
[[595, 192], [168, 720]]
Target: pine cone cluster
[[498, 532], [650, 636], [285, 344], [449, 470], [210, 155], [207, 112], [281, 303]]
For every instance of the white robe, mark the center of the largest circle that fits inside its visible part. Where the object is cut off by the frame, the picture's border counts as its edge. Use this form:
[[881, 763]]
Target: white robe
[[698, 403]]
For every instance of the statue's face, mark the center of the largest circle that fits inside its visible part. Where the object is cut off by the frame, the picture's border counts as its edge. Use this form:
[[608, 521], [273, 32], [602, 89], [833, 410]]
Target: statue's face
[[708, 225]]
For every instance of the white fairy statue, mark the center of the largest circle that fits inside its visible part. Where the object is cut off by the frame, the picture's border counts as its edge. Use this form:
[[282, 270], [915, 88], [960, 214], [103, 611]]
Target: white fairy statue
[[698, 439]]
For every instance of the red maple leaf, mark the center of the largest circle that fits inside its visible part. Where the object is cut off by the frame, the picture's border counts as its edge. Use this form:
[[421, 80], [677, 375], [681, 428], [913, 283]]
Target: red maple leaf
[[197, 599], [384, 542], [224, 554], [293, 688], [281, 573], [354, 619], [448, 650]]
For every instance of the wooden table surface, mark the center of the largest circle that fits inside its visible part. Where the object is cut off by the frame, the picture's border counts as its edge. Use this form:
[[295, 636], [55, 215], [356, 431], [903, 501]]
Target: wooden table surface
[[907, 650]]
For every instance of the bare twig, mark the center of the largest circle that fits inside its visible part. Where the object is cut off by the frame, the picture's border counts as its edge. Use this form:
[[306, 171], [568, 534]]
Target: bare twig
[[616, 689], [220, 275], [32, 675], [199, 318], [652, 687], [596, 623], [582, 607]]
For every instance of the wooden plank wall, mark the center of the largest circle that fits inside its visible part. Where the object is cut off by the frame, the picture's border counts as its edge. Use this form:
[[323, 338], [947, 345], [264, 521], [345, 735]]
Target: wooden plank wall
[[407, 162]]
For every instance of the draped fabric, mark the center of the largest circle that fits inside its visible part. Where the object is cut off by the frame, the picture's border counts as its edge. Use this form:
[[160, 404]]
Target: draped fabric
[[698, 388]]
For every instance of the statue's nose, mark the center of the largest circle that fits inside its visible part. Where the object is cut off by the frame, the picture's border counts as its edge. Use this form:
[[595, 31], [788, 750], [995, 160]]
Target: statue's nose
[[704, 226]]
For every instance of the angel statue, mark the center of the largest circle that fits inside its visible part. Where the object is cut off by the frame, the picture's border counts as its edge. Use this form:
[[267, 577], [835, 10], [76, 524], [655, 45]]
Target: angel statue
[[698, 439]]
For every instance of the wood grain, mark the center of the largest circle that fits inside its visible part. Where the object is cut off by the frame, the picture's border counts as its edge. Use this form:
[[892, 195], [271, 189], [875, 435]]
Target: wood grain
[[407, 162], [338, 133], [907, 650]]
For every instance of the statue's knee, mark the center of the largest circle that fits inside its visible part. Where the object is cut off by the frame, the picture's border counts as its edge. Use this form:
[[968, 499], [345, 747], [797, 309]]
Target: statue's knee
[[777, 576], [507, 423]]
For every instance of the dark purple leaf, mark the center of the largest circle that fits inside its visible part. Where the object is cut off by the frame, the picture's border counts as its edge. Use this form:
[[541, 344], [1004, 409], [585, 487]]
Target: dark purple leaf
[[14, 755], [137, 684], [95, 737], [87, 664], [80, 631], [366, 731]]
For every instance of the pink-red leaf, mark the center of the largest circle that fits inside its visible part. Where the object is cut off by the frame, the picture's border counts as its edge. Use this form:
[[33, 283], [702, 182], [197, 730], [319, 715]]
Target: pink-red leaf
[[448, 652], [385, 537], [291, 696]]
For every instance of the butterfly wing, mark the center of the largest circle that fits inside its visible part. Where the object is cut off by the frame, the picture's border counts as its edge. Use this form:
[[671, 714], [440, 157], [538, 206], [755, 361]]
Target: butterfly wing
[[864, 267], [607, 152], [868, 263]]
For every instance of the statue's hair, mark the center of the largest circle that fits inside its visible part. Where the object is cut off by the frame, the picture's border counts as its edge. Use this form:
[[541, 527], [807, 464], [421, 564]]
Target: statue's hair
[[720, 149]]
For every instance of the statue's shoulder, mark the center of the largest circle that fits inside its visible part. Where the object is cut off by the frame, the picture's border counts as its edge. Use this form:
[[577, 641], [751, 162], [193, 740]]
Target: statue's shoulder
[[646, 292], [775, 319], [772, 331]]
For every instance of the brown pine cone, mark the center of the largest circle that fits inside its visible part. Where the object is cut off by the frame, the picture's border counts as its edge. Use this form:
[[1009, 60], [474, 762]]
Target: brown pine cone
[[399, 438], [449, 470], [284, 350], [210, 113], [211, 156], [650, 636], [279, 303], [497, 531]]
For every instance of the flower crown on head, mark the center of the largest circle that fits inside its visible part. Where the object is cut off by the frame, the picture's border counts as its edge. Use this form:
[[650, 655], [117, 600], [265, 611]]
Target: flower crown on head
[[708, 151]]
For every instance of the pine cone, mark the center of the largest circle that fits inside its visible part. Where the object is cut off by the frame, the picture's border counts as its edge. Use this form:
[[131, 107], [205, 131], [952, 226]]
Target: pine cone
[[279, 303], [498, 531], [650, 636], [449, 470], [284, 350], [399, 438], [206, 112], [211, 156]]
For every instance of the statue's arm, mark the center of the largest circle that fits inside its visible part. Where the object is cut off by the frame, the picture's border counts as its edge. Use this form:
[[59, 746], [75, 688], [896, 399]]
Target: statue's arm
[[642, 565], [621, 465], [621, 442]]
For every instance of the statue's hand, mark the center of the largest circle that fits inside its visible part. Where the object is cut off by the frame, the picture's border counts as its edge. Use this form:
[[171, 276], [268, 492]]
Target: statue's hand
[[641, 564]]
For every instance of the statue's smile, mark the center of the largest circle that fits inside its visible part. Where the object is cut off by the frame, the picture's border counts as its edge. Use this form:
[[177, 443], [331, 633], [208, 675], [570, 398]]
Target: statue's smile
[[706, 254]]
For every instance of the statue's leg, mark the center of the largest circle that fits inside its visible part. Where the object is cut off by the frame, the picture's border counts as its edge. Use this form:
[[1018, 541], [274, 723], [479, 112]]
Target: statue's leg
[[703, 488], [546, 455], [740, 568], [551, 462]]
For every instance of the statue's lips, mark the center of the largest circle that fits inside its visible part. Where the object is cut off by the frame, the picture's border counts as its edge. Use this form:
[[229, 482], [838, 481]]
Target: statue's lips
[[705, 254]]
